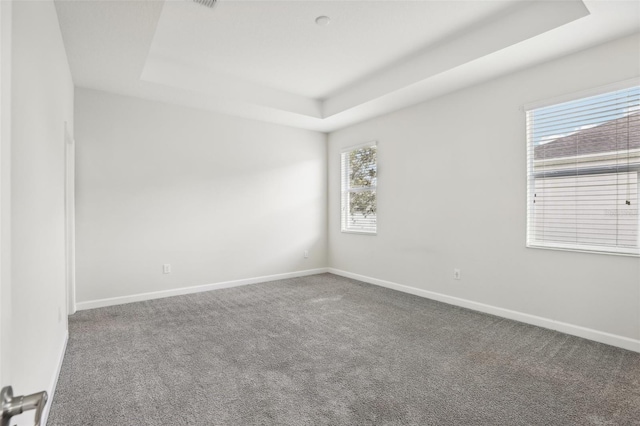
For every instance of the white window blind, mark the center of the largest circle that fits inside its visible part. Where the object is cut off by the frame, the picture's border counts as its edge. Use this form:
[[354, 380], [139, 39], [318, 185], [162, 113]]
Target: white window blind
[[583, 174], [359, 171]]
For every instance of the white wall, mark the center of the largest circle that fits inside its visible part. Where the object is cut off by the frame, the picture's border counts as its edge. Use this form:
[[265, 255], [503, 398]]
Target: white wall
[[457, 165], [219, 198], [42, 100]]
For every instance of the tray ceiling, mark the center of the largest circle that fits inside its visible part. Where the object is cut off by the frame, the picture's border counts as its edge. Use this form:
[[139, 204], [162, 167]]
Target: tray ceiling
[[270, 61]]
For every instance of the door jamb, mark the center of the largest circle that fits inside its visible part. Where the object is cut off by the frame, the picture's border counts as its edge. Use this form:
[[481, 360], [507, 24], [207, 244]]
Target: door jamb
[[69, 213]]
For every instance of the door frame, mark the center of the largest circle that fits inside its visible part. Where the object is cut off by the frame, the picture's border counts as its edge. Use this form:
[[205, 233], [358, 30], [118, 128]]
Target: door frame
[[5, 192], [70, 219]]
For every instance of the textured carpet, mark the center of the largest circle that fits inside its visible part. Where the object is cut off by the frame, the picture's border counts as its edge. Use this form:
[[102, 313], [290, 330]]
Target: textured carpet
[[326, 350]]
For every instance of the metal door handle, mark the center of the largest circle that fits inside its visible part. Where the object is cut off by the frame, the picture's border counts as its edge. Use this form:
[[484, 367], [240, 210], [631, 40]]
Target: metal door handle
[[12, 406]]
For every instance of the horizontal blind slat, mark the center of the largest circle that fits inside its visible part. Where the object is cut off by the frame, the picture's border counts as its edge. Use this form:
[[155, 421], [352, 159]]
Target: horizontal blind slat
[[583, 173], [359, 181]]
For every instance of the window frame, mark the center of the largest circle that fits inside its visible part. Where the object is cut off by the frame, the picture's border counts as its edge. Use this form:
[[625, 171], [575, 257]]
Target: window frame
[[344, 190], [530, 179]]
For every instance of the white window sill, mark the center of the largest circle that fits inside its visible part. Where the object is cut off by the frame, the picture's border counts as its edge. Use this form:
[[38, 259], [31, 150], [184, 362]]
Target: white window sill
[[349, 231], [586, 249]]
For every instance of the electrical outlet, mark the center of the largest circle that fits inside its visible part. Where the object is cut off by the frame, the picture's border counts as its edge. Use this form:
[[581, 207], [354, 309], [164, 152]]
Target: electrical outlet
[[166, 268], [306, 254], [457, 274]]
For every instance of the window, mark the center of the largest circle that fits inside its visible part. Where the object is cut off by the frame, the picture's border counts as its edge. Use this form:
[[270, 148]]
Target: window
[[359, 179], [583, 174]]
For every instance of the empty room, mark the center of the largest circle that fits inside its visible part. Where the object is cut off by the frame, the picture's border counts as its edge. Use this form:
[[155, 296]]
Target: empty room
[[319, 212]]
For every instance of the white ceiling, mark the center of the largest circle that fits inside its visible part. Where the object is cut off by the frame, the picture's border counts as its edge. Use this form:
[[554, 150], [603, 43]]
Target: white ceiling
[[278, 44], [268, 60]]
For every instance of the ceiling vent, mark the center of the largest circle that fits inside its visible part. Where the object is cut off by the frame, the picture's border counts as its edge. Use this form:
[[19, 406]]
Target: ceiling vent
[[208, 3]]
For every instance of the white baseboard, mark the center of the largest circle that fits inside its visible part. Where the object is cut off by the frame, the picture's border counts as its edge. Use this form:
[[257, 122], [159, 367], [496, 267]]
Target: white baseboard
[[100, 303], [54, 381], [575, 330]]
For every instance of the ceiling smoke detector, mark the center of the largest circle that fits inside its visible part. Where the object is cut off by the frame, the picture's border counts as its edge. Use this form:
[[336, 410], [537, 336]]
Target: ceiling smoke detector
[[323, 21], [208, 3]]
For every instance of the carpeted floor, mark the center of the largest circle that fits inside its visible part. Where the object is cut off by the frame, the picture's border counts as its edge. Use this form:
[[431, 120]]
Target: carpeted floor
[[326, 350]]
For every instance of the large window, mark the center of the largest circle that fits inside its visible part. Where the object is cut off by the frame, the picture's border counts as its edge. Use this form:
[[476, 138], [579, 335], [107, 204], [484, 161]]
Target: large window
[[583, 174], [359, 169]]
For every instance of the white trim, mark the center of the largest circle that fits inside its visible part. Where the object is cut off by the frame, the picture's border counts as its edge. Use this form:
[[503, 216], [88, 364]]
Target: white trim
[[54, 380], [5, 192], [358, 146], [615, 251], [575, 330], [568, 97], [70, 221], [349, 231], [345, 190], [121, 300]]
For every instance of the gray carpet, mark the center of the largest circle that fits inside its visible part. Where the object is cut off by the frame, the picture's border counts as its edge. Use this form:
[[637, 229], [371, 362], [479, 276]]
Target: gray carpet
[[326, 350]]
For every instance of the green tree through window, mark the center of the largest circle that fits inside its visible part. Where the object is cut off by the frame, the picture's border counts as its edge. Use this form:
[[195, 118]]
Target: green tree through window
[[359, 180]]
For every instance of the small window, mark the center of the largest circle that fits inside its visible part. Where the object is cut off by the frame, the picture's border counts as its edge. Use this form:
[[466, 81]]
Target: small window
[[583, 174], [359, 167]]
